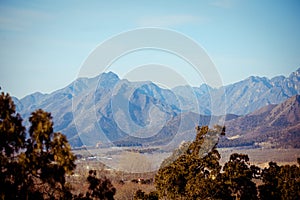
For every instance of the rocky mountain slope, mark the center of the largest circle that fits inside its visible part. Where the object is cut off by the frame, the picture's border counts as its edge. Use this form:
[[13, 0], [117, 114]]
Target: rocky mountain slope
[[271, 126], [106, 110], [245, 96]]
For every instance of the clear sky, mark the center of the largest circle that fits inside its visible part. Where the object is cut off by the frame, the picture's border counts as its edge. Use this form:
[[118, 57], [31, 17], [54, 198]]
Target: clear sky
[[44, 43]]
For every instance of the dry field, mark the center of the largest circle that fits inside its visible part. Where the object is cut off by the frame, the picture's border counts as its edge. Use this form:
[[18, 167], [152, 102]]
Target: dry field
[[123, 180], [261, 157]]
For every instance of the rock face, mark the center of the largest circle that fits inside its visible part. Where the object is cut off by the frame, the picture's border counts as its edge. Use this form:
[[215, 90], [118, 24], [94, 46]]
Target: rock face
[[247, 95], [105, 109], [276, 125]]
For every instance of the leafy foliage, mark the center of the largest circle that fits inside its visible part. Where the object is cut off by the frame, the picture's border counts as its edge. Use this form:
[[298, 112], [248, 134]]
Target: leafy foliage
[[280, 182], [196, 173], [12, 140], [140, 195], [238, 176], [46, 160], [36, 168], [100, 188]]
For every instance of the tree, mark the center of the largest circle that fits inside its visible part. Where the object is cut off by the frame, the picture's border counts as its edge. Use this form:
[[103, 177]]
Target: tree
[[100, 188], [238, 176], [12, 140], [289, 182], [140, 195], [204, 172], [34, 168], [170, 181], [195, 173], [270, 178], [47, 159], [280, 182]]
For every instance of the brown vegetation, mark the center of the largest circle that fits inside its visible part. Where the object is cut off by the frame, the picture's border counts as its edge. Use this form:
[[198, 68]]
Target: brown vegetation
[[43, 167]]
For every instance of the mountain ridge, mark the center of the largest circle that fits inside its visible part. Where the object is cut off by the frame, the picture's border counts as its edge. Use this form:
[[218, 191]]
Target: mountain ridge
[[274, 125], [109, 109]]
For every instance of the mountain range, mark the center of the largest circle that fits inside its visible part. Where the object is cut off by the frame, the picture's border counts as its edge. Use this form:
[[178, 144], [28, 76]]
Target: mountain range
[[271, 126], [107, 110]]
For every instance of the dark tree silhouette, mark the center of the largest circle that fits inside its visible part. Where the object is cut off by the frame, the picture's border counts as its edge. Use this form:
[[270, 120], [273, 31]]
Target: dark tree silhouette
[[280, 182], [238, 176], [12, 140], [47, 159], [196, 173], [100, 188], [140, 195], [36, 168]]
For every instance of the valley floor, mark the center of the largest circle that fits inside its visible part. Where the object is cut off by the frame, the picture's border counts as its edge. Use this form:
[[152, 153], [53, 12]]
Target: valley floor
[[261, 157], [125, 181]]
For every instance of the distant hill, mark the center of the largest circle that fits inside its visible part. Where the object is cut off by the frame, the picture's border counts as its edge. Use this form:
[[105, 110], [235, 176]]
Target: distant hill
[[271, 126], [107, 109], [244, 96]]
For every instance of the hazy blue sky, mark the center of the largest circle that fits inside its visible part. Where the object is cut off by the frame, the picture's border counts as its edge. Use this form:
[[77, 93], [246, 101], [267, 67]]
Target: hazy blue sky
[[44, 43]]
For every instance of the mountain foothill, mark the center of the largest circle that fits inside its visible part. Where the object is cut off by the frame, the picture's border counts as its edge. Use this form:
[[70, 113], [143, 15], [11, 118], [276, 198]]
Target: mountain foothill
[[107, 110]]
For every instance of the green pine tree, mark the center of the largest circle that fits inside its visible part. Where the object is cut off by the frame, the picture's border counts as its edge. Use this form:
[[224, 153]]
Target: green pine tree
[[280, 182], [12, 140], [195, 173], [238, 176]]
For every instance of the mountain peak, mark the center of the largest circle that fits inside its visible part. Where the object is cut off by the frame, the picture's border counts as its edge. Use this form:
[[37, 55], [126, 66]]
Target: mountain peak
[[205, 87], [146, 99], [110, 74], [295, 74], [107, 80]]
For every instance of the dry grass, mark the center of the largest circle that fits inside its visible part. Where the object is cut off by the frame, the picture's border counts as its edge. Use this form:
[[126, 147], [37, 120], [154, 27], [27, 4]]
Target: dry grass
[[126, 191], [261, 157]]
